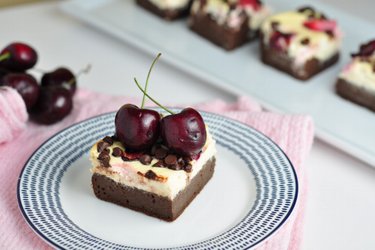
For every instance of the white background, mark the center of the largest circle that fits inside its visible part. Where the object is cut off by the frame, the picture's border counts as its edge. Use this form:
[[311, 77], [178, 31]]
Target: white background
[[341, 205]]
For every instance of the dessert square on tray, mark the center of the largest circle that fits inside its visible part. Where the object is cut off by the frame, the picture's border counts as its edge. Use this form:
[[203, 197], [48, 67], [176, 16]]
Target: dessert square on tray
[[356, 82], [167, 9], [301, 43], [228, 24]]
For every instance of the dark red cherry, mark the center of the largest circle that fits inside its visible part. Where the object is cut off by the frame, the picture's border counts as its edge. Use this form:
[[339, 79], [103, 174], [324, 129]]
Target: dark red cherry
[[366, 49], [61, 77], [137, 129], [255, 4], [52, 106], [21, 57], [185, 132], [280, 41], [25, 84]]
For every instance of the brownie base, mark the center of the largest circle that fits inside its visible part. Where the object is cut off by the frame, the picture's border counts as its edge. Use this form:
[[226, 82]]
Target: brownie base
[[283, 62], [149, 203], [227, 38], [355, 94], [168, 14]]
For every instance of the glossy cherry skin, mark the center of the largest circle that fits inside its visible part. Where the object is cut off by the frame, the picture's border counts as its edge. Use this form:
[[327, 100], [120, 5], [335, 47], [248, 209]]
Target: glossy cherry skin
[[60, 77], [184, 133], [25, 84], [22, 57], [138, 129], [52, 106]]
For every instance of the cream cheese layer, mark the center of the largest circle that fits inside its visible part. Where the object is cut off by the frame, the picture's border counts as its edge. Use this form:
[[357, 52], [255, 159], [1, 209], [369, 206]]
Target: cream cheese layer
[[321, 45], [168, 182], [170, 4], [360, 73]]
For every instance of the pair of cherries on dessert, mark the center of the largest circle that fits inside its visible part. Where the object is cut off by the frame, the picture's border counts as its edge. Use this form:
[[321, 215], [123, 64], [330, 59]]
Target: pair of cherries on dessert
[[48, 102], [139, 129]]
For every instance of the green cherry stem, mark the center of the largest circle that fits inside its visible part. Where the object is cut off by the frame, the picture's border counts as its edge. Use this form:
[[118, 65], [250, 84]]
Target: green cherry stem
[[148, 77], [85, 70], [152, 99], [4, 56]]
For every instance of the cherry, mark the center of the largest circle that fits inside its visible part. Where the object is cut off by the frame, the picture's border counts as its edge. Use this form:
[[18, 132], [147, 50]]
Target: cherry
[[320, 24], [137, 129], [185, 132], [366, 49], [52, 106], [62, 77], [18, 57], [25, 84], [255, 4], [279, 40]]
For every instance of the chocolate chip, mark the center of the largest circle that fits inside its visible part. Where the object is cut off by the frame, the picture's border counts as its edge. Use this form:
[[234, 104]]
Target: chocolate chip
[[150, 175], [307, 9], [117, 152], [101, 146], [181, 162], [160, 153], [188, 168], [330, 34], [275, 25], [305, 41], [108, 140], [145, 159], [158, 164], [170, 160], [124, 158], [114, 137], [175, 167], [104, 158]]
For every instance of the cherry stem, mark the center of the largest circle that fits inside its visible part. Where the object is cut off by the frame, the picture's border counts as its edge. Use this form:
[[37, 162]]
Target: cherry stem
[[148, 76], [85, 70], [152, 99], [4, 56]]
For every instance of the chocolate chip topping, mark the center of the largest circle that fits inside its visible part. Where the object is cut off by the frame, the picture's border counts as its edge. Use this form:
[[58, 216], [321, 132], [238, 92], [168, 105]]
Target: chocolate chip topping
[[104, 158], [117, 152], [108, 140], [170, 160], [305, 41], [158, 164], [145, 159], [188, 168], [150, 175], [101, 146], [275, 25], [160, 153]]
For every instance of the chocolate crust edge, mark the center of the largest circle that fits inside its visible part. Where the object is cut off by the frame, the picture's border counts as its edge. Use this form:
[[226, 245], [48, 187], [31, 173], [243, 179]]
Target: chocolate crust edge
[[149, 203], [229, 39], [168, 15], [355, 94], [282, 62]]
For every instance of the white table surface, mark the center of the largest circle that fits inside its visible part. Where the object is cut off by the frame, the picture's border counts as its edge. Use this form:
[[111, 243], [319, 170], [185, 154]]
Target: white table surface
[[341, 206]]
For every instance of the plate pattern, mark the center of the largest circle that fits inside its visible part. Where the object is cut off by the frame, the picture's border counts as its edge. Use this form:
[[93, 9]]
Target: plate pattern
[[39, 184]]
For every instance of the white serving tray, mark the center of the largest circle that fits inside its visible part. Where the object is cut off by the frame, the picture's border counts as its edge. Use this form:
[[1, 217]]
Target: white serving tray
[[338, 122]]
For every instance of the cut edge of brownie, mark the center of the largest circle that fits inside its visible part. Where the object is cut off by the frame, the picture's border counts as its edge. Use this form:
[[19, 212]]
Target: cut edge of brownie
[[149, 203], [167, 14], [355, 94], [222, 36], [284, 63]]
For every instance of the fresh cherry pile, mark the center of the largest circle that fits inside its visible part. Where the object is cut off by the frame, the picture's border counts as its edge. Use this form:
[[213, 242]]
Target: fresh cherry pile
[[48, 102], [138, 129]]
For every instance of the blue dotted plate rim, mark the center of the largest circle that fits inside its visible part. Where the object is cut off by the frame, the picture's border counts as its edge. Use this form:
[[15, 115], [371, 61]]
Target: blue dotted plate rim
[[190, 246]]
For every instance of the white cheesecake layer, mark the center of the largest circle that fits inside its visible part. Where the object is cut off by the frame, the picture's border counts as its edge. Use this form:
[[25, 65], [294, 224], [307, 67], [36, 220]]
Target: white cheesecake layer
[[168, 182], [170, 4], [321, 45], [360, 73]]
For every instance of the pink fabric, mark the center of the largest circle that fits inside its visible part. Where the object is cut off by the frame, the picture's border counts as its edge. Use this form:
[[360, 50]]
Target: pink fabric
[[293, 133], [13, 115]]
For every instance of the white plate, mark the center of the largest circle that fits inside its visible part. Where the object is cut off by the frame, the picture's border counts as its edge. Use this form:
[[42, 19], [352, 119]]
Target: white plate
[[339, 122], [251, 195]]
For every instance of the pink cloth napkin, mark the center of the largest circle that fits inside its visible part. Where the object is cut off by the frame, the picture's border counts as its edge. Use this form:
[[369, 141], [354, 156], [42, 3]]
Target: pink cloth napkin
[[293, 133]]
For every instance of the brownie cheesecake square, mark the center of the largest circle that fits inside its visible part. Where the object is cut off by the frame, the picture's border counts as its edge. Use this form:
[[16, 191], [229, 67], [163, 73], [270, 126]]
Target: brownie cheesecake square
[[227, 23], [301, 43], [167, 9], [356, 82], [157, 183]]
